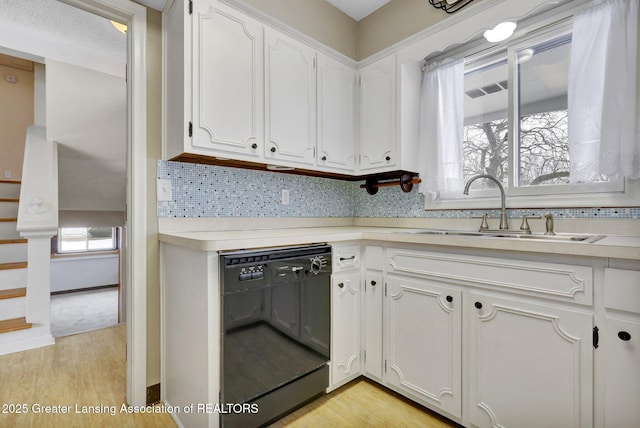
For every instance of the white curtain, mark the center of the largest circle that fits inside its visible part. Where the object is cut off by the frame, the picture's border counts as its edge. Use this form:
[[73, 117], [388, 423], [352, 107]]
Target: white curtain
[[603, 135], [441, 123]]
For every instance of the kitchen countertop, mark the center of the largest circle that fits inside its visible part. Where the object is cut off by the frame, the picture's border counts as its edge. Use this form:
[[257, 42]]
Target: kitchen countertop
[[611, 246]]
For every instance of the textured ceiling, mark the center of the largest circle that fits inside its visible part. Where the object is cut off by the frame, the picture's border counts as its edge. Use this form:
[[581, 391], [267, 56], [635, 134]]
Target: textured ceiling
[[66, 23], [358, 9]]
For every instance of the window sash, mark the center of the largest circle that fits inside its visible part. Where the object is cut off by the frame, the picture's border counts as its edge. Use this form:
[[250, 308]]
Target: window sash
[[86, 242], [624, 192]]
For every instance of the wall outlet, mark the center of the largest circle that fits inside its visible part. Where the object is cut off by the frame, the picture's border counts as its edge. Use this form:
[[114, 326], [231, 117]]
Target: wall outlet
[[286, 197], [8, 174], [164, 190]]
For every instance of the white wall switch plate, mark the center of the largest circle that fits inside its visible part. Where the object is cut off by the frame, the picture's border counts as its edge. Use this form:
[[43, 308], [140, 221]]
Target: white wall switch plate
[[286, 197], [164, 190], [8, 174]]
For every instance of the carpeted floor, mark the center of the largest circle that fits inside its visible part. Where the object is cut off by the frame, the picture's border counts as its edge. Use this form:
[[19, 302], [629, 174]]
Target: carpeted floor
[[83, 311]]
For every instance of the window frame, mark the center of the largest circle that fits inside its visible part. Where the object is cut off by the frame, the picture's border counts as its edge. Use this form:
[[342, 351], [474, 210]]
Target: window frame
[[114, 241], [622, 193]]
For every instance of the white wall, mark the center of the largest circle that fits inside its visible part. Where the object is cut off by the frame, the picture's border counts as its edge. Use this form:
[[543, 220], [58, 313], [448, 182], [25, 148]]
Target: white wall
[[77, 272], [86, 115]]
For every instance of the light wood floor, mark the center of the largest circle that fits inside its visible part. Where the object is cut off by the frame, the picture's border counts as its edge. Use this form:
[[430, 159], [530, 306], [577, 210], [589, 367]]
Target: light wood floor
[[363, 404], [89, 369], [86, 369]]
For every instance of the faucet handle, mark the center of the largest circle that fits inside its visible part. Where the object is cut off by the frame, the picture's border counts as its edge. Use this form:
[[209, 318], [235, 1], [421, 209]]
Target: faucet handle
[[484, 225], [525, 224], [549, 224]]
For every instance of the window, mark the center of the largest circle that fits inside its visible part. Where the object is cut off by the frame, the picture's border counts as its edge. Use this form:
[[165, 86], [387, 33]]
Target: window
[[516, 128], [540, 146], [86, 239]]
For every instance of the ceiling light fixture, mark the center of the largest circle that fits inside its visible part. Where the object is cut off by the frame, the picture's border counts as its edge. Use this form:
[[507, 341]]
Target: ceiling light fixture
[[449, 6], [500, 32], [120, 27]]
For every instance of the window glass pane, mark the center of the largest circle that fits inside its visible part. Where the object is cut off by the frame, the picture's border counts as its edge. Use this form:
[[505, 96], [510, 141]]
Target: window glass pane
[[543, 71], [82, 239], [100, 238], [72, 239], [485, 144]]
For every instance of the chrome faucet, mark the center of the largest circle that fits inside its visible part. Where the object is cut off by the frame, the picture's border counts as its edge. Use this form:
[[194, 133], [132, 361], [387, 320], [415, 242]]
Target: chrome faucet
[[504, 224]]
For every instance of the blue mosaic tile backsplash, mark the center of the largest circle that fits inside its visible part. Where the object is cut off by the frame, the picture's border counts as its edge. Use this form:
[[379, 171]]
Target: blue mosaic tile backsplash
[[213, 191]]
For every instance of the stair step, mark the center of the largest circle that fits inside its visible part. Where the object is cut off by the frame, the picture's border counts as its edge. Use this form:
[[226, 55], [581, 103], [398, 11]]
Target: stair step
[[14, 324], [13, 293], [13, 241], [14, 265], [8, 209], [8, 230], [9, 189], [13, 250], [13, 277]]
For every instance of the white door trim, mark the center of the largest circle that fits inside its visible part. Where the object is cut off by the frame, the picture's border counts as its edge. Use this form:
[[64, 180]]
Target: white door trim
[[135, 16]]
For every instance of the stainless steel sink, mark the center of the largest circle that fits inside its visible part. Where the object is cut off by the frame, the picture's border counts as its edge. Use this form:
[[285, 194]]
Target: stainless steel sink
[[560, 237], [566, 237]]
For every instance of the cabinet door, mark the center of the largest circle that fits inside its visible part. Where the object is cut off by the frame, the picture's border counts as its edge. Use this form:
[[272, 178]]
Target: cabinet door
[[423, 337], [290, 91], [529, 365], [378, 116], [345, 328], [372, 324], [227, 82], [622, 378], [336, 115]]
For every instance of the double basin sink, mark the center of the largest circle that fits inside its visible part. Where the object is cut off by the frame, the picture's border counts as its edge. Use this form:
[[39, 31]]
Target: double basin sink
[[497, 233]]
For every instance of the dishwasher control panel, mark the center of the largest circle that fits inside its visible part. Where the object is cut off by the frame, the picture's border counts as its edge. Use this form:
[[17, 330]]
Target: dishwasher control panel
[[245, 270]]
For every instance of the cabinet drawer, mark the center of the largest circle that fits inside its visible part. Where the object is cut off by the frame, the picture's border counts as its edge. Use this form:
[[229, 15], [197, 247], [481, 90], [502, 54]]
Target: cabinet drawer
[[346, 257], [549, 280], [374, 257], [622, 290]]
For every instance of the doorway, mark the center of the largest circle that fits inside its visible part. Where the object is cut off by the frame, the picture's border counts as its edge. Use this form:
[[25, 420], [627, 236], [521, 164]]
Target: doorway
[[135, 17]]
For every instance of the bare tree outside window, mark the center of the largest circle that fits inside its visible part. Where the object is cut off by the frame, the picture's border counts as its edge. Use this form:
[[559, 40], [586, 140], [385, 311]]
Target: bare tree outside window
[[543, 149], [486, 151]]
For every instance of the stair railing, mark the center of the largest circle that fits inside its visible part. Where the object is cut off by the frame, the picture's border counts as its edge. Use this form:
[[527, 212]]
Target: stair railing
[[38, 223]]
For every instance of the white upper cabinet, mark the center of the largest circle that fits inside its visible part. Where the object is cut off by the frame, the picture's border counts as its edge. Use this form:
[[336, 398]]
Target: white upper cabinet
[[227, 80], [238, 89], [290, 100], [336, 115], [378, 116], [214, 82]]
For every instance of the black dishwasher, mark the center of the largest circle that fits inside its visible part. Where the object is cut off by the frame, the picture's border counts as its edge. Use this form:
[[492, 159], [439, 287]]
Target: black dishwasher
[[276, 327]]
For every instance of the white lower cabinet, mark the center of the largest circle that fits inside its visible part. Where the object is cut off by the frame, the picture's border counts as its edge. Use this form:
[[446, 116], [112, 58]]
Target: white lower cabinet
[[423, 336], [620, 346], [345, 328], [529, 365], [486, 341], [372, 324]]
